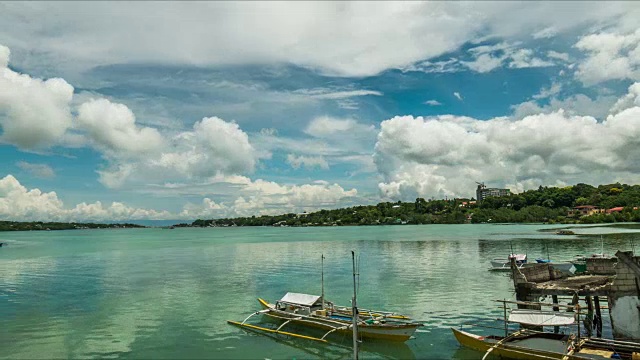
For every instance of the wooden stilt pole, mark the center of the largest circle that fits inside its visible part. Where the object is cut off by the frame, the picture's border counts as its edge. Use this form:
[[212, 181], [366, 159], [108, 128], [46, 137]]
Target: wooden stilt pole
[[554, 298], [322, 282], [598, 322], [588, 320], [506, 324]]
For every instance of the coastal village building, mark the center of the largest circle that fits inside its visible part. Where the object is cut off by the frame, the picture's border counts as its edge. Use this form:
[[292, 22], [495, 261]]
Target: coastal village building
[[483, 192], [465, 204], [585, 210]]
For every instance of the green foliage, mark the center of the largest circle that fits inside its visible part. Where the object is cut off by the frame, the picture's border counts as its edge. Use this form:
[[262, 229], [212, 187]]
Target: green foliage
[[39, 225], [544, 204]]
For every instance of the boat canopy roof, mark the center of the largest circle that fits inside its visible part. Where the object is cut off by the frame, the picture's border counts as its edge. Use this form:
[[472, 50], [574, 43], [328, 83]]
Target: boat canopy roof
[[541, 317], [300, 299], [518, 257]]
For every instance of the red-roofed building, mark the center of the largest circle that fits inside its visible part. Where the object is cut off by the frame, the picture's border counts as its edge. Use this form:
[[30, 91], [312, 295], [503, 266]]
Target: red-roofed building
[[615, 209]]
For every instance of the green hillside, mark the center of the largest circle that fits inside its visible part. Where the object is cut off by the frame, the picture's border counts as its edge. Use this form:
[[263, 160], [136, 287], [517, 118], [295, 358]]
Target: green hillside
[[546, 204]]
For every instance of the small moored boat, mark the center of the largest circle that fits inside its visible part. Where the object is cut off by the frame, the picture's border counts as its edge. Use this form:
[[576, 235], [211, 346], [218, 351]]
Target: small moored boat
[[529, 344], [307, 310], [313, 311], [505, 264]]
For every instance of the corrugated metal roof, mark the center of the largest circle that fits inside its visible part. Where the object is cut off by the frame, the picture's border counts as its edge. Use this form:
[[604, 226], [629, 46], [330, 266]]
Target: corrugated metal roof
[[300, 299]]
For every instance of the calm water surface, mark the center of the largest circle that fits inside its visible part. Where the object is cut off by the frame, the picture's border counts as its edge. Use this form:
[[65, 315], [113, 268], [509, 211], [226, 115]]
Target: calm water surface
[[156, 293]]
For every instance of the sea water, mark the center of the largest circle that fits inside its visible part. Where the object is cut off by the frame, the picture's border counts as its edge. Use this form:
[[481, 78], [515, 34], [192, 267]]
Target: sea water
[[166, 294]]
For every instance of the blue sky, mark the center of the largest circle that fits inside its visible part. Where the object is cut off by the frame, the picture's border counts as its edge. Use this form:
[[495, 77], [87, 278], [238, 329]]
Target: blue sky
[[114, 111]]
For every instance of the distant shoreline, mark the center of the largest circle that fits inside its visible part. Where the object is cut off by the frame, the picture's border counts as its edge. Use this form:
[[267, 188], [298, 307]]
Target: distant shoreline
[[52, 226]]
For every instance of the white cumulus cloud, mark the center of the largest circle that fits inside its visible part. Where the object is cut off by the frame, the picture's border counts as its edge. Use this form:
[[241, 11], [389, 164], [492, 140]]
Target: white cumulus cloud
[[630, 100], [4, 56], [21, 204], [610, 56], [205, 210], [112, 127], [444, 155], [214, 146], [34, 113], [262, 197]]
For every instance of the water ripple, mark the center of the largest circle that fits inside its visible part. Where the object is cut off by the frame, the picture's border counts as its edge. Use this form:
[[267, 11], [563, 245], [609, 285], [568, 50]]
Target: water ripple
[[166, 294]]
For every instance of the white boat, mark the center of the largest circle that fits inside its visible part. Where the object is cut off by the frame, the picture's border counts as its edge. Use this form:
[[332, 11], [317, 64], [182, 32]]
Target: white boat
[[505, 264]]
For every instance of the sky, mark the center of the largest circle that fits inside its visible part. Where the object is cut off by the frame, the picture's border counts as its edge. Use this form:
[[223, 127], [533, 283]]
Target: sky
[[116, 111]]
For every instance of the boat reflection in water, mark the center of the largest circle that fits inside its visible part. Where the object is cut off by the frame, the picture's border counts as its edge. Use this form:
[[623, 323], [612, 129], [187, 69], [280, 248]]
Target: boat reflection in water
[[340, 346]]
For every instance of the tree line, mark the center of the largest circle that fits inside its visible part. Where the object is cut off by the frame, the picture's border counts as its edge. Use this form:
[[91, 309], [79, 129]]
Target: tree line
[[545, 204], [39, 225]]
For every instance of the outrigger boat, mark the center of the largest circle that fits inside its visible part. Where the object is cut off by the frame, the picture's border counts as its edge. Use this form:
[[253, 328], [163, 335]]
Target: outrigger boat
[[529, 344], [314, 312], [308, 310], [505, 264]]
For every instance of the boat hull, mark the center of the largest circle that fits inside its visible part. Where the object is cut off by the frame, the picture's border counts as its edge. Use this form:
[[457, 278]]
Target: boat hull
[[508, 350], [388, 332]]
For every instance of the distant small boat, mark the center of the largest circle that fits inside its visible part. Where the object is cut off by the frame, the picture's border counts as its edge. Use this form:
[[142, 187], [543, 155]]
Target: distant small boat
[[565, 232], [505, 264]]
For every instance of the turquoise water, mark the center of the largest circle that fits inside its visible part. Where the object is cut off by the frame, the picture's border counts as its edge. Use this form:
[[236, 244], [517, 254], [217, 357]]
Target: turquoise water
[[156, 293]]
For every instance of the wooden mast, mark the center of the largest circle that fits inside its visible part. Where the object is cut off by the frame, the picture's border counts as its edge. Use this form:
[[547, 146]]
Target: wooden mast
[[354, 310], [322, 281]]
